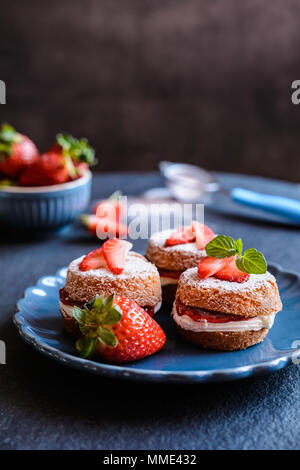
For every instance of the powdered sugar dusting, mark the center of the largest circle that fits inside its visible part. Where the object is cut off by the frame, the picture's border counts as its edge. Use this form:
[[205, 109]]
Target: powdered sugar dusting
[[159, 240], [136, 266], [190, 278], [139, 281], [177, 257]]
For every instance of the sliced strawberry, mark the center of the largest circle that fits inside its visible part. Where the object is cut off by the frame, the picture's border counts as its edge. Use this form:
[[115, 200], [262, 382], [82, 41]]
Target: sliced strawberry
[[204, 234], [209, 266], [115, 251], [93, 260], [181, 236], [200, 314], [230, 272], [102, 226]]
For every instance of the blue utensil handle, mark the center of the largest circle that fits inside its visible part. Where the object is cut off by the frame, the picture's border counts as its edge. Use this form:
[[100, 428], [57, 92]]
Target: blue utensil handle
[[286, 207]]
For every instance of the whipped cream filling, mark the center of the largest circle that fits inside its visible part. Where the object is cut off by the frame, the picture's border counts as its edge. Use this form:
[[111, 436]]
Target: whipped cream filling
[[165, 281], [255, 323], [157, 307], [68, 309]]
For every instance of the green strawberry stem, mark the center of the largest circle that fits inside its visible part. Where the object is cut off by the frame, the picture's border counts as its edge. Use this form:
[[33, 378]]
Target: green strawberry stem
[[84, 218], [70, 166], [8, 136], [95, 320], [78, 149]]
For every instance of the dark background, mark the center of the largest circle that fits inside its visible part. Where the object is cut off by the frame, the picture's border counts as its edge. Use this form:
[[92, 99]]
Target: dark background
[[201, 80]]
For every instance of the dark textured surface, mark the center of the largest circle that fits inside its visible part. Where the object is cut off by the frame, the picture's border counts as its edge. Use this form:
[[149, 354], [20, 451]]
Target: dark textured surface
[[44, 405], [202, 81]]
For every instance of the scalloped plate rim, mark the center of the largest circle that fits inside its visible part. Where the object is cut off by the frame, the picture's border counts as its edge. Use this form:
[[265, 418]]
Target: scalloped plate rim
[[150, 375]]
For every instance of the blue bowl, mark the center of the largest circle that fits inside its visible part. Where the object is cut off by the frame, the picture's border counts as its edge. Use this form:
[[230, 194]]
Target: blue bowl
[[44, 208]]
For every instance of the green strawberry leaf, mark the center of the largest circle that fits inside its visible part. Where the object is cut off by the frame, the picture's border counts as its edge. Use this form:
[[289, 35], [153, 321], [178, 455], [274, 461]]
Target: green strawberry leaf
[[8, 183], [4, 146], [97, 313], [114, 316], [84, 152], [70, 165], [98, 303], [107, 337], [8, 136], [79, 315], [108, 303], [65, 141], [86, 346], [78, 149], [7, 133], [220, 247], [89, 305], [252, 262]]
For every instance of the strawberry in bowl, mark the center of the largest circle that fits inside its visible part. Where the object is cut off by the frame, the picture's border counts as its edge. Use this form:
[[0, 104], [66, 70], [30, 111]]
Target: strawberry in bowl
[[65, 161], [17, 152], [43, 192]]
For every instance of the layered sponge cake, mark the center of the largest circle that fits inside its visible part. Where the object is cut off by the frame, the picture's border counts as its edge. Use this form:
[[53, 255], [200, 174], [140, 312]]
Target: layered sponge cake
[[175, 251], [91, 275], [225, 315]]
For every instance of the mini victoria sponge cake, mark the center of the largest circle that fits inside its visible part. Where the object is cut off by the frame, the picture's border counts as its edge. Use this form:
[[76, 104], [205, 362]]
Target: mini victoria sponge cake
[[139, 281], [224, 315], [171, 261]]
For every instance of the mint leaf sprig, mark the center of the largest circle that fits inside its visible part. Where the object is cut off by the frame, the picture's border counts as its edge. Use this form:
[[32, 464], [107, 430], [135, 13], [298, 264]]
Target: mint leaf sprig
[[93, 320], [251, 262]]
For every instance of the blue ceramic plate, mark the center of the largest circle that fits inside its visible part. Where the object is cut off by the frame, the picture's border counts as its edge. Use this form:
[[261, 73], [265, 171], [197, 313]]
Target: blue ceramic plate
[[39, 323]]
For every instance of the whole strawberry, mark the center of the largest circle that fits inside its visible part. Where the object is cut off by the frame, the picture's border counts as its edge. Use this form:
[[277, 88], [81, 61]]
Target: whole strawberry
[[49, 169], [77, 154], [17, 151], [117, 329]]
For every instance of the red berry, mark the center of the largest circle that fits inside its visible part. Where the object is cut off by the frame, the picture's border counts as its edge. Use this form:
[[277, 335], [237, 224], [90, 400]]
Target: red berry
[[203, 234], [209, 266], [49, 169], [93, 260], [181, 236], [115, 251], [22, 155], [231, 273], [137, 333]]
